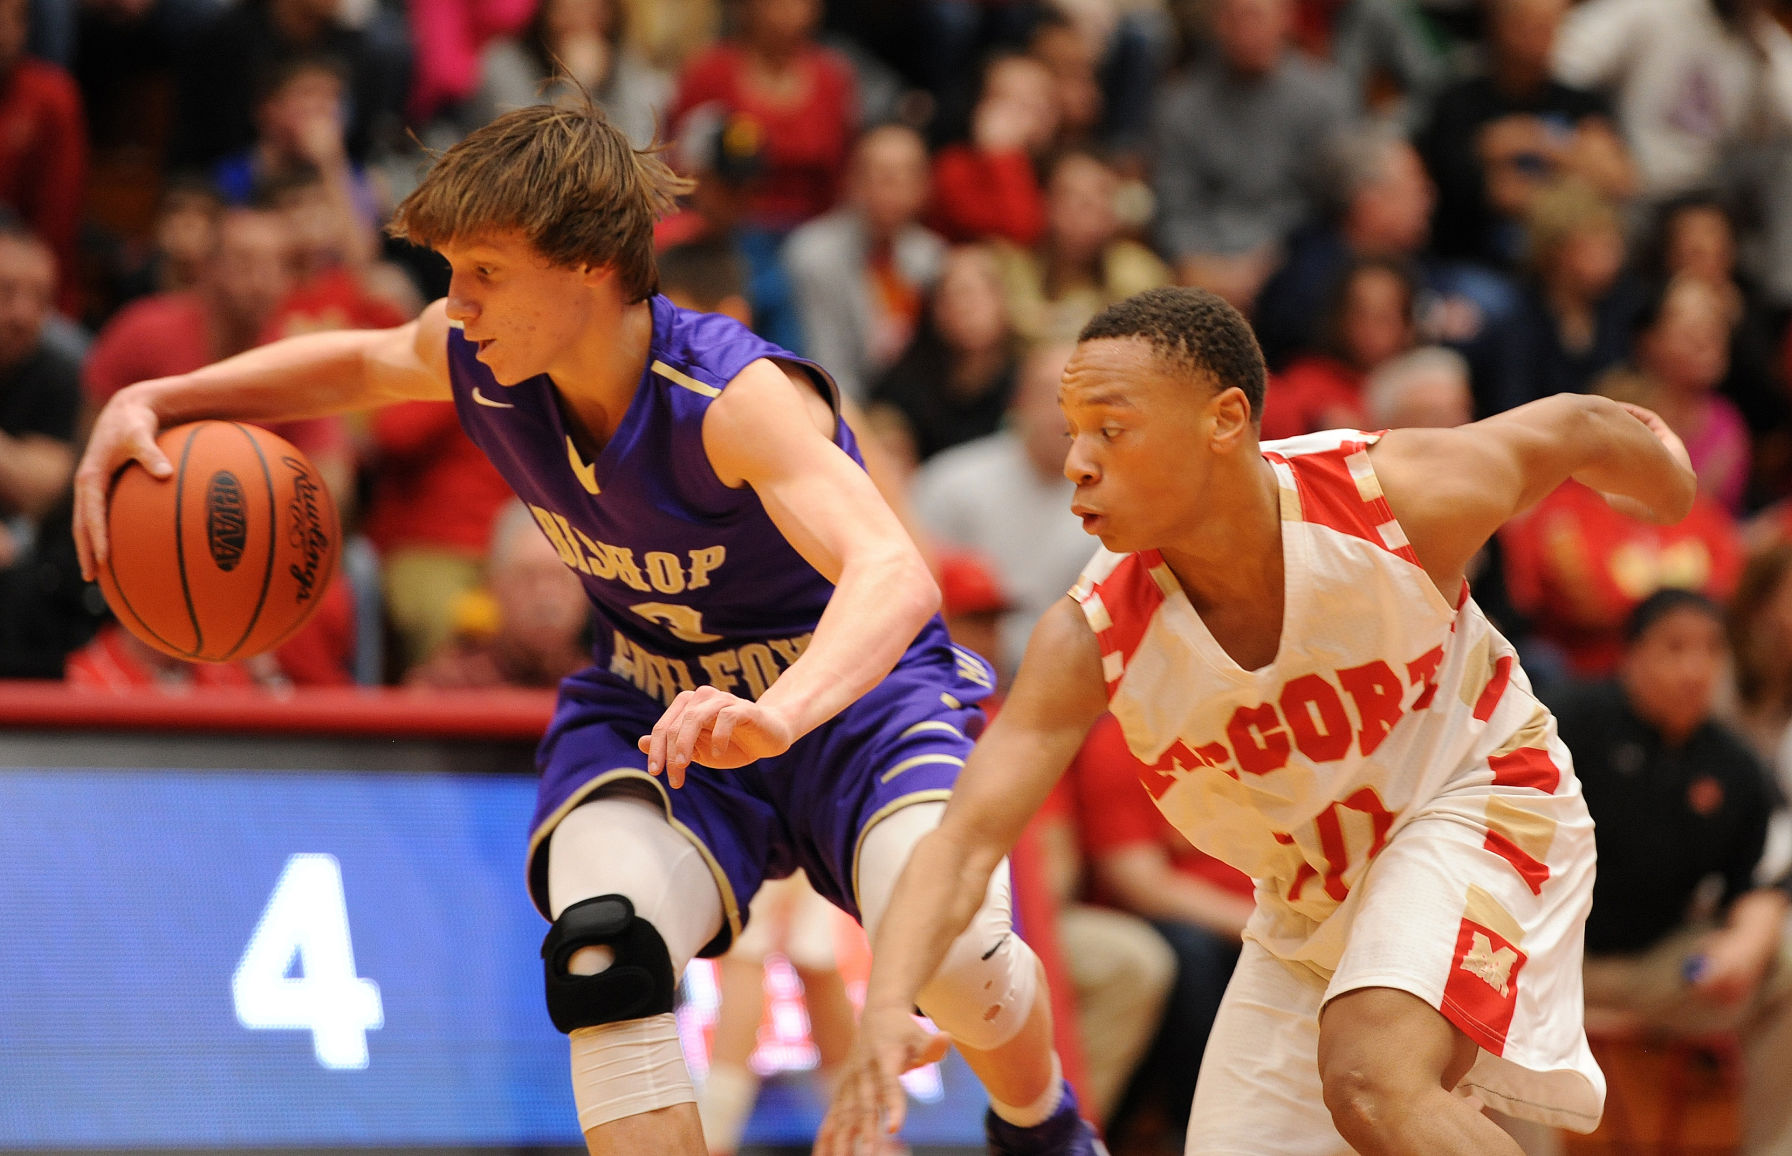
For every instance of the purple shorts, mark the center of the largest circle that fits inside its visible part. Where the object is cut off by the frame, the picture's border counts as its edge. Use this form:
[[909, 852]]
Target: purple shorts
[[903, 742]]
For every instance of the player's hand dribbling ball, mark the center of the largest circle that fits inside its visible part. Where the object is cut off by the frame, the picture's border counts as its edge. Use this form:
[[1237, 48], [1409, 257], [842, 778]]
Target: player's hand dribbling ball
[[227, 557]]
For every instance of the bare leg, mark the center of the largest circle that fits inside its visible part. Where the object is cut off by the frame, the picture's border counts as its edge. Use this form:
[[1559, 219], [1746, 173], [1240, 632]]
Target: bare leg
[[831, 1023], [1388, 1062], [673, 1130]]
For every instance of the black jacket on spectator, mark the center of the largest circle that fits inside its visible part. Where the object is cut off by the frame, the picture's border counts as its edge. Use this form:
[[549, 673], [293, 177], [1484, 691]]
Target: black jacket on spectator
[[1667, 817], [1465, 226]]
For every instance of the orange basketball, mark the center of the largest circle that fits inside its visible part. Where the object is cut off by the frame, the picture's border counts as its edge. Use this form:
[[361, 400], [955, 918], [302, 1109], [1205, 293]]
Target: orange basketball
[[229, 555]]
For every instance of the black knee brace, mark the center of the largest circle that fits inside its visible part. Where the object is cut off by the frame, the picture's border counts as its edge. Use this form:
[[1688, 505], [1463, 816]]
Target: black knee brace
[[639, 983]]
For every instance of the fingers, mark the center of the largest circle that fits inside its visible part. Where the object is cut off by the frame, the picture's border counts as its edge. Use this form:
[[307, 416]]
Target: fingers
[[654, 744], [106, 452]]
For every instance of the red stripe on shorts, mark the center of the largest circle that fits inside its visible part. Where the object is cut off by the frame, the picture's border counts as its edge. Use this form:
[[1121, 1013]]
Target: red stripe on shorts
[[1482, 990], [1534, 871], [1495, 688], [1526, 767]]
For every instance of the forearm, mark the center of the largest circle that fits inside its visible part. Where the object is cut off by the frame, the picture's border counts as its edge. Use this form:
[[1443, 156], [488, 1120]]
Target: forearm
[[879, 604], [33, 473], [315, 375], [936, 897]]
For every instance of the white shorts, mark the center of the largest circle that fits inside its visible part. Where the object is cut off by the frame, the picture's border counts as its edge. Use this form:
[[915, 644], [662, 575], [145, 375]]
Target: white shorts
[[1442, 913]]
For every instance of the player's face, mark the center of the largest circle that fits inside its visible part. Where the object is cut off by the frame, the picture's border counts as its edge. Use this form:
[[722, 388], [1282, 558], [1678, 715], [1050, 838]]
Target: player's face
[[1139, 444], [523, 313]]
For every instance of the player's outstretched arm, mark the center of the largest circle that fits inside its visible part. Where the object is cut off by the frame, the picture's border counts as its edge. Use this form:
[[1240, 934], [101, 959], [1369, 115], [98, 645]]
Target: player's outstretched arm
[[1057, 696], [309, 376], [767, 431], [1451, 489]]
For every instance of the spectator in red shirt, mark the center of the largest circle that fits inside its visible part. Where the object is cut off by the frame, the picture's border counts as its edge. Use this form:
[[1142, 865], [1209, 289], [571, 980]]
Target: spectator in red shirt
[[1140, 864], [43, 144], [245, 279], [803, 96], [988, 187], [1370, 321], [1576, 568]]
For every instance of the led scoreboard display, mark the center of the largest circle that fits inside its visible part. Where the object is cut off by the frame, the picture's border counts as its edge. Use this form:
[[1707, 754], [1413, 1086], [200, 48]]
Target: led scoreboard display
[[213, 941]]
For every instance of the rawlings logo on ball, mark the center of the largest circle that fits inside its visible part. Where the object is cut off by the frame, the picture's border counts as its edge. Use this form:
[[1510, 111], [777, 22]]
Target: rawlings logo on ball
[[226, 526], [305, 531]]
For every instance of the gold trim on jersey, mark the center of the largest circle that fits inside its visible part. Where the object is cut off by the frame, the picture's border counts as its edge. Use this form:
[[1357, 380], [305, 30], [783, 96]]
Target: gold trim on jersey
[[1479, 906], [730, 906], [1530, 831], [678, 377], [931, 724], [937, 757], [936, 795], [587, 474]]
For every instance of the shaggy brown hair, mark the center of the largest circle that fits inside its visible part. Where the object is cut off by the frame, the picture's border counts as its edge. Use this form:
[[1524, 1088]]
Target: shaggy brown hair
[[564, 177]]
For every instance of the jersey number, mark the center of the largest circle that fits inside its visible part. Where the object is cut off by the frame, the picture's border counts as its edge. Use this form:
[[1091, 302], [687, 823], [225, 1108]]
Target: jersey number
[[307, 917], [1333, 843], [683, 622]]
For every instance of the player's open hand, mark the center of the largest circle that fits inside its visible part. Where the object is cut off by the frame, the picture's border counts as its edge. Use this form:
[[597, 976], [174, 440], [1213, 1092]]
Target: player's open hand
[[869, 1102], [715, 728], [124, 431]]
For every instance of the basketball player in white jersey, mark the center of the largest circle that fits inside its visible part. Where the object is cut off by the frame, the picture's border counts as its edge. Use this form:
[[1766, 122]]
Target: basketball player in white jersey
[[1285, 635]]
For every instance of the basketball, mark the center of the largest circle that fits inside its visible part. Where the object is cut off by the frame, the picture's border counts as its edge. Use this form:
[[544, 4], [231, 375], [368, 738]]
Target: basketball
[[227, 557]]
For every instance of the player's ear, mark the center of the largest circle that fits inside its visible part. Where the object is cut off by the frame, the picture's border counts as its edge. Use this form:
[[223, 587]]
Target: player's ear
[[1230, 412]]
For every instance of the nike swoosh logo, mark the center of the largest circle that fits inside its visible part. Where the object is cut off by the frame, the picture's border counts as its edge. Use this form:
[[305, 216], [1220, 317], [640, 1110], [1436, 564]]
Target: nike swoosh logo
[[484, 400]]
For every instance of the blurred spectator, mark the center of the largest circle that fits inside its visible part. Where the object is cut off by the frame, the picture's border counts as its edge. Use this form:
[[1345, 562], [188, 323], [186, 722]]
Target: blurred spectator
[[1685, 934], [1496, 138], [860, 272], [1071, 52], [572, 46], [337, 284], [183, 236], [1681, 355], [1689, 79], [1423, 388], [1576, 568], [1082, 264], [954, 381], [1761, 639], [529, 627], [215, 102], [707, 277], [1005, 496], [725, 154], [431, 507], [43, 145], [1238, 141], [1141, 865], [40, 394], [1390, 53], [300, 120], [670, 32], [1381, 208], [1369, 321], [453, 40], [1695, 236], [245, 279], [1575, 318], [987, 187], [801, 94]]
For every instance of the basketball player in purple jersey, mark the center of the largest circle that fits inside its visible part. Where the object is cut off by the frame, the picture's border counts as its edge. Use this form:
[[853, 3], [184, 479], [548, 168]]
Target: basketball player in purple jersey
[[771, 687]]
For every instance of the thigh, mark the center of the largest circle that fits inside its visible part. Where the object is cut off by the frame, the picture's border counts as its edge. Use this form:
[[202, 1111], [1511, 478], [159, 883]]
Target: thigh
[[590, 751], [1259, 1089], [620, 843]]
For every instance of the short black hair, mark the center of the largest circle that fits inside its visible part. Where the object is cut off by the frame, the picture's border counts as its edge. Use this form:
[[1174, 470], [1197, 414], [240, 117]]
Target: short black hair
[[1663, 603], [1190, 330]]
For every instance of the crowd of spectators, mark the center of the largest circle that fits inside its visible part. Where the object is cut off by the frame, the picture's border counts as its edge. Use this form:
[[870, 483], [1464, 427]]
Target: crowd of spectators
[[1432, 210]]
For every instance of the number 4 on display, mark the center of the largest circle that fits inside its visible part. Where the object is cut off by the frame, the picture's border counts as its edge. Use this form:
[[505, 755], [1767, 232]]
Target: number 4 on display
[[307, 917]]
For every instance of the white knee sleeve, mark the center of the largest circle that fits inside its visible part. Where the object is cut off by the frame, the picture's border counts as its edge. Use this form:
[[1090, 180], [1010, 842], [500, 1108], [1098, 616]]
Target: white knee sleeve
[[984, 989], [623, 845]]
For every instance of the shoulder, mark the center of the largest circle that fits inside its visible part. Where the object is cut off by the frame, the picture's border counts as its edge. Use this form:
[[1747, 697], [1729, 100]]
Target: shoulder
[[1310, 80], [825, 240]]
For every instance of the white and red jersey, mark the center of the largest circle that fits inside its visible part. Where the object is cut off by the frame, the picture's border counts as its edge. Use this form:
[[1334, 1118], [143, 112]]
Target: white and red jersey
[[1382, 700]]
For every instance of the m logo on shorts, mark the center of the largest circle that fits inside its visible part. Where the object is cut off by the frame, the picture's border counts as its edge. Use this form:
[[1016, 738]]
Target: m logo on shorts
[[1493, 966], [1481, 993]]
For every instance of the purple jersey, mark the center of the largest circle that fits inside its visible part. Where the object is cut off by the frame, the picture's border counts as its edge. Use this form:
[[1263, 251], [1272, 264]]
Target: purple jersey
[[692, 583]]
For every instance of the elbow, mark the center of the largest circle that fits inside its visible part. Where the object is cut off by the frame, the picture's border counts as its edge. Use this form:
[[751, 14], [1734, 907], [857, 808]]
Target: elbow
[[911, 585]]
